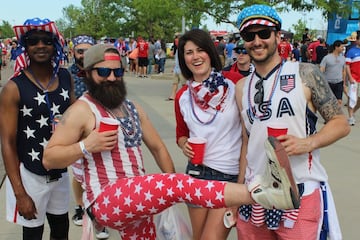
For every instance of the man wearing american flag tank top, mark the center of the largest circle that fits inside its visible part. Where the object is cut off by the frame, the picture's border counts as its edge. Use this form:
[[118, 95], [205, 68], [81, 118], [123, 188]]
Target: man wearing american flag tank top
[[118, 194]]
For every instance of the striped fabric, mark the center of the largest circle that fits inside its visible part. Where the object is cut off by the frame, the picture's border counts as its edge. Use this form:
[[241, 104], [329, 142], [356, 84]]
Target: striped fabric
[[23, 61], [263, 22]]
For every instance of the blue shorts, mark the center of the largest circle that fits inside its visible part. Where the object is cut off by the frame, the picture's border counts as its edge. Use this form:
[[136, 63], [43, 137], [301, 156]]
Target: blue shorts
[[204, 172]]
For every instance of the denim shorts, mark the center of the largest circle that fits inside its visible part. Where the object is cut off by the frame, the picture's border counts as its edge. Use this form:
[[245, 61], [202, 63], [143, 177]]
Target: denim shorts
[[204, 172]]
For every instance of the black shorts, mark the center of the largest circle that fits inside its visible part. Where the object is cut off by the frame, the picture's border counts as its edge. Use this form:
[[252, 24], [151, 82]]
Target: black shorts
[[337, 89], [143, 61]]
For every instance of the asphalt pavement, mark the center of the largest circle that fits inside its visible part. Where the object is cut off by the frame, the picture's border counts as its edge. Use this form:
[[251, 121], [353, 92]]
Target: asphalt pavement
[[341, 159]]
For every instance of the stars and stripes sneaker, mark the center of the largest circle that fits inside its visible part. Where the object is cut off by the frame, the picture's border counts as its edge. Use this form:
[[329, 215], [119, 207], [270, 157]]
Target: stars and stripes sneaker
[[277, 188]]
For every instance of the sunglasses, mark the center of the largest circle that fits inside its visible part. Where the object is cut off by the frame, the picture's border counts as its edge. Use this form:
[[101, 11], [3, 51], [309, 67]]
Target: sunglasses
[[34, 40], [263, 34], [259, 95], [241, 51], [80, 50], [105, 72]]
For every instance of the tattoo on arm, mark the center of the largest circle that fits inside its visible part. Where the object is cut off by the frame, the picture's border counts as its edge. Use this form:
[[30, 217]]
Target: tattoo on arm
[[321, 95]]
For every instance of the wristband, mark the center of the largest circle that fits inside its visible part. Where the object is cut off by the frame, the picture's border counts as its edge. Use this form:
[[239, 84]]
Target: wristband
[[83, 149]]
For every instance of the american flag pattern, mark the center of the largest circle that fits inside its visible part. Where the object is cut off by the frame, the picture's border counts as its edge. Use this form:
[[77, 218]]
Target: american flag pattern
[[287, 82], [23, 61], [34, 118], [258, 216], [260, 15], [129, 203], [125, 160]]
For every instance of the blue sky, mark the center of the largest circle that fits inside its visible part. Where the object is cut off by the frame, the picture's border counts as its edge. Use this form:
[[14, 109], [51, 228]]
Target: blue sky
[[17, 11]]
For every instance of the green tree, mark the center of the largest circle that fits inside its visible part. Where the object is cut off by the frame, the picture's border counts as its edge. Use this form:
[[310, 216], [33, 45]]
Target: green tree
[[162, 18], [6, 30]]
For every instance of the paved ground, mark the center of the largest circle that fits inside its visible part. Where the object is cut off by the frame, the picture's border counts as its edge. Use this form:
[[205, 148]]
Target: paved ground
[[341, 159]]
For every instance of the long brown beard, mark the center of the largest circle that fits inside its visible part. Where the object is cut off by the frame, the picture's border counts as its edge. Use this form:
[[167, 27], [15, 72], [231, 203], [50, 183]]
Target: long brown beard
[[110, 94]]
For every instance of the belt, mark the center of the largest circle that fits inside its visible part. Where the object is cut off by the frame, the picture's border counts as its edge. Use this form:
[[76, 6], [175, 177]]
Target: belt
[[53, 177]]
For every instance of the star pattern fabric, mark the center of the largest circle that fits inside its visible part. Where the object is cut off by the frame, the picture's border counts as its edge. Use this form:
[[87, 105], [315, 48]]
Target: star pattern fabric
[[262, 14], [129, 203], [36, 112]]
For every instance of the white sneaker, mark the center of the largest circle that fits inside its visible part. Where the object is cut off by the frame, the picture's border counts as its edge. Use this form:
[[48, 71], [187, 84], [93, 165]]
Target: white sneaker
[[277, 188], [103, 234], [351, 121]]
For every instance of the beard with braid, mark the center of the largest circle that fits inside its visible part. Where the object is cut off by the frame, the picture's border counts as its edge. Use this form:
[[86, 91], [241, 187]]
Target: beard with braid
[[111, 94]]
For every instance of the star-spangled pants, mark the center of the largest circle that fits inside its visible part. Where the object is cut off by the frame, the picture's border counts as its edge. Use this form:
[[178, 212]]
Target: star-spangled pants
[[129, 204]]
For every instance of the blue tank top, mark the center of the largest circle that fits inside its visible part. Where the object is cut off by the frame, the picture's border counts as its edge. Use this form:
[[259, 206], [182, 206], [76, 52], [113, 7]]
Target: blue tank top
[[36, 113]]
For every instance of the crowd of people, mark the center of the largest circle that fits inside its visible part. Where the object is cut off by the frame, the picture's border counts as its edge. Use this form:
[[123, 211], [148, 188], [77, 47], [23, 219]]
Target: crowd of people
[[233, 94]]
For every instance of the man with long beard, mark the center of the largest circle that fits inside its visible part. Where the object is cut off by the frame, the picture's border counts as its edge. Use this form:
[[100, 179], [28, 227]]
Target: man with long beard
[[81, 43]]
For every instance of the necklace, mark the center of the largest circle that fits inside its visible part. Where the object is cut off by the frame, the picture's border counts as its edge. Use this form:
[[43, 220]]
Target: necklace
[[191, 93], [44, 89], [275, 82], [127, 123]]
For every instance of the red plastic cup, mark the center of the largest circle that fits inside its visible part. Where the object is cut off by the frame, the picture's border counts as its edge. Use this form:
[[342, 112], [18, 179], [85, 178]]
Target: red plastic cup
[[276, 130], [108, 124], [198, 146]]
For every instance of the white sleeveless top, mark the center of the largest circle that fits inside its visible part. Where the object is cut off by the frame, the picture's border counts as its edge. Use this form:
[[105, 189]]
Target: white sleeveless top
[[284, 104]]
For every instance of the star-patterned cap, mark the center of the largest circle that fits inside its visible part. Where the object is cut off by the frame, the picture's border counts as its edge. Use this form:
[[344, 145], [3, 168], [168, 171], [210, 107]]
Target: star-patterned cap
[[258, 15]]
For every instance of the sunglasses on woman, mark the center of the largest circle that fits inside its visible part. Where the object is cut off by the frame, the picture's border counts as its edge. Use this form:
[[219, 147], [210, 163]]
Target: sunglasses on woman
[[263, 34], [35, 39], [105, 72]]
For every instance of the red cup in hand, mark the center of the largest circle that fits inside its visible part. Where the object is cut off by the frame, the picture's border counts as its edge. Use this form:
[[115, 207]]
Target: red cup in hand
[[108, 124], [276, 130], [198, 146]]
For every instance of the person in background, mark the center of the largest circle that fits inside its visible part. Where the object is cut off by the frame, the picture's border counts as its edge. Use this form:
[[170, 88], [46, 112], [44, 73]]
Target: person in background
[[143, 47], [282, 99], [312, 49], [123, 49], [295, 53], [333, 66], [304, 52], [34, 100], [15, 51], [353, 74], [229, 52], [321, 50], [151, 54], [306, 35], [162, 57], [284, 48], [242, 66], [220, 48], [206, 107], [118, 193], [178, 78]]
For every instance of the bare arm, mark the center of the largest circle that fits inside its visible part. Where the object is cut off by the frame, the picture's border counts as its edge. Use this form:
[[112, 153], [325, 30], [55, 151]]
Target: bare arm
[[9, 100], [319, 98], [243, 153], [348, 73], [76, 124], [154, 143]]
